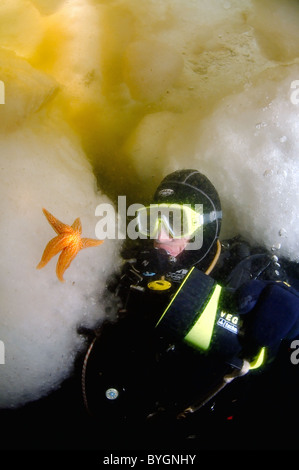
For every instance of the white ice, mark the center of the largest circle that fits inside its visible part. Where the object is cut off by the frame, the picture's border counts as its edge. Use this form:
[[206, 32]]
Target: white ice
[[43, 165]]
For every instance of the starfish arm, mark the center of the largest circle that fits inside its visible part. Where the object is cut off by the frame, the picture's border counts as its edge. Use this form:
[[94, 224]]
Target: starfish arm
[[88, 242], [66, 257], [77, 226], [58, 226], [53, 247]]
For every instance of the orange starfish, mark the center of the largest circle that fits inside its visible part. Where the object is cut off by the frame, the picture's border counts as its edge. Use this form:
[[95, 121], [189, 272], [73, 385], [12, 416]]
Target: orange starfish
[[68, 240]]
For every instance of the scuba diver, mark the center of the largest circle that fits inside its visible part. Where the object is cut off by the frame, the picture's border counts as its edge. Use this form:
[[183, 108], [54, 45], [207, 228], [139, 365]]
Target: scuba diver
[[195, 314]]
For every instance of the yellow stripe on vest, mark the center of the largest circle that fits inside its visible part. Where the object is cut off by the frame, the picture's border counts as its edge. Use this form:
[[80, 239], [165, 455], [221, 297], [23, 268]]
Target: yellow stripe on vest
[[201, 333], [177, 292], [258, 360]]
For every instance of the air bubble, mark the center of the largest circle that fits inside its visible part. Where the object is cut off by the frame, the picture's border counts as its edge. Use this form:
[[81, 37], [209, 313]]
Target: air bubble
[[259, 125], [282, 232], [276, 247]]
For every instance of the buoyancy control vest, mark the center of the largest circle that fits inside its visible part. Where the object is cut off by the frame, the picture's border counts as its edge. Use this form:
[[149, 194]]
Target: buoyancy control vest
[[204, 315], [199, 327]]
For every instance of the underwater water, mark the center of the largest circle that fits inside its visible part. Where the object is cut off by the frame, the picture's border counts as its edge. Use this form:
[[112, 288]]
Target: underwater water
[[104, 98]]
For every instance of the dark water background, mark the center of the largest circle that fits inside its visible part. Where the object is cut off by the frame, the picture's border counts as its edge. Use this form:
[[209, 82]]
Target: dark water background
[[257, 412]]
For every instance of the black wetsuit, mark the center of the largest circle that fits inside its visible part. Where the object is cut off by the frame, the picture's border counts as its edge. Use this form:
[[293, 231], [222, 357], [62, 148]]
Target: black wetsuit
[[153, 375]]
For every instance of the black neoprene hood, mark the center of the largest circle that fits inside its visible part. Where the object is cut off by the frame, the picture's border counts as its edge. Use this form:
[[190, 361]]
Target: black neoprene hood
[[191, 187]]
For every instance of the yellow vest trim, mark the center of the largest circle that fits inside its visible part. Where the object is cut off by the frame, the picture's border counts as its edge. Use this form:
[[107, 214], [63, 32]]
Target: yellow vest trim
[[201, 333], [179, 289], [259, 359]]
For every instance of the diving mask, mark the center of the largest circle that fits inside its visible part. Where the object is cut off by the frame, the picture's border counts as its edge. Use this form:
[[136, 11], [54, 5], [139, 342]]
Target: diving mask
[[178, 220]]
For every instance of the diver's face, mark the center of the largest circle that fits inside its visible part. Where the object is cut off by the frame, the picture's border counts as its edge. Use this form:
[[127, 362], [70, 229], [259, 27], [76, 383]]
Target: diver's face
[[173, 246]]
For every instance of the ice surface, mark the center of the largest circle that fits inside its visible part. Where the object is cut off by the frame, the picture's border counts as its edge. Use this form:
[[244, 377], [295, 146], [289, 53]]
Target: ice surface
[[253, 140], [44, 167], [249, 148]]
